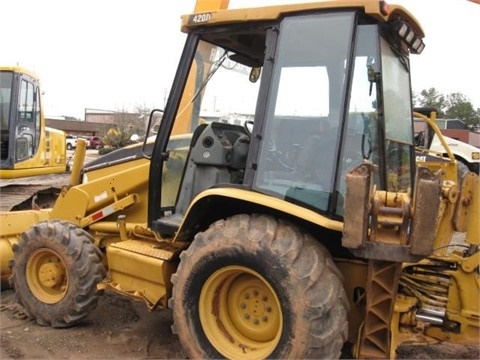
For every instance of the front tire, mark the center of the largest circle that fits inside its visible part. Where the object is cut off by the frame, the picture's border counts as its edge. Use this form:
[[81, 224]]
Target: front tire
[[55, 272], [252, 287]]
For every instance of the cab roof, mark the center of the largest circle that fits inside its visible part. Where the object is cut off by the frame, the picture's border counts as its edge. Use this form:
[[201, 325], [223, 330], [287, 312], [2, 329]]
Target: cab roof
[[380, 10], [19, 70]]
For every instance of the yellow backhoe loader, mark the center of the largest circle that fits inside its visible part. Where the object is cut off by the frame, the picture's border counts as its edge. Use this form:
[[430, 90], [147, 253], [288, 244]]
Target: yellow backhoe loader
[[305, 232], [30, 151]]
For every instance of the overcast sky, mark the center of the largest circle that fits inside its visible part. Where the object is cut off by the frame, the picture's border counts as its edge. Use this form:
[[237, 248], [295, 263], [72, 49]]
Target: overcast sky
[[122, 54]]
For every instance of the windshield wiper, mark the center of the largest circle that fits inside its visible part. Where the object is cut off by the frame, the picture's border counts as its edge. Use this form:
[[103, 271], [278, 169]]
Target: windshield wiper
[[212, 72]]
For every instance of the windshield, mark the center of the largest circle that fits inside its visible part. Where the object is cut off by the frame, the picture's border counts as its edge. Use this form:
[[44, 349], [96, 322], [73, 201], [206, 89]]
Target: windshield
[[225, 93], [219, 92], [6, 79]]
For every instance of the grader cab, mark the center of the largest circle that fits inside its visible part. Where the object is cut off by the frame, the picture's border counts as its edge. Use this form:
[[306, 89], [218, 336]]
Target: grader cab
[[293, 225]]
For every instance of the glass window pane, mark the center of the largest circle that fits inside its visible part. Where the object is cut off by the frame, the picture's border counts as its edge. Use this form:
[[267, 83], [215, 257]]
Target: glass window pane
[[25, 105], [398, 120], [360, 136], [299, 148]]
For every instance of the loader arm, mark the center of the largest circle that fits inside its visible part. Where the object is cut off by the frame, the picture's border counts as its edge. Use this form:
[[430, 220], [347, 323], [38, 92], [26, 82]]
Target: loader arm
[[100, 198]]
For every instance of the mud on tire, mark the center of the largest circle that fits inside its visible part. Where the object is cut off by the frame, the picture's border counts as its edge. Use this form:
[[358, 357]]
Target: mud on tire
[[55, 272], [252, 287]]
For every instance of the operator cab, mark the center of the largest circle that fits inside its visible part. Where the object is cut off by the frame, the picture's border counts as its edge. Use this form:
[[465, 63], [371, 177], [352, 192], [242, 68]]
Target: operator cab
[[318, 93], [19, 117]]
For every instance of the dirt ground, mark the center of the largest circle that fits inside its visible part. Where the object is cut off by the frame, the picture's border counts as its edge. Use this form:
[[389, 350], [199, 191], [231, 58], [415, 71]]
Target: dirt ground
[[117, 329], [123, 329]]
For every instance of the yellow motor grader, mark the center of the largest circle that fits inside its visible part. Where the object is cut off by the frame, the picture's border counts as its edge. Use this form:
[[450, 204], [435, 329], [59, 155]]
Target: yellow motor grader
[[298, 226]]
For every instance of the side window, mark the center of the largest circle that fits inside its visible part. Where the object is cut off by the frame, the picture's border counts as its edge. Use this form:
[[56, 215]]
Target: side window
[[398, 120], [26, 138], [360, 135], [5, 98], [299, 145], [303, 91], [26, 101], [37, 117]]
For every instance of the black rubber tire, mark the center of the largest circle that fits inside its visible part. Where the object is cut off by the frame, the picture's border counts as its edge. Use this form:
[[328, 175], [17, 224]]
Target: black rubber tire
[[55, 271], [299, 270]]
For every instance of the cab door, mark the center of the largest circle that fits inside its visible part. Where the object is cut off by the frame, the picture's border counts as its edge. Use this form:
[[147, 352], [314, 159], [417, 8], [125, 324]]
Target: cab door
[[27, 121]]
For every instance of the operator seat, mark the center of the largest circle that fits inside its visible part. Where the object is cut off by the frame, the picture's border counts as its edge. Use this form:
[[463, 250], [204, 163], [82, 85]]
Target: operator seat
[[217, 155]]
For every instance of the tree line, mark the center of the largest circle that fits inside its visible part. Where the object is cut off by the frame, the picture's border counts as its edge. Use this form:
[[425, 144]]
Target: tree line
[[452, 106]]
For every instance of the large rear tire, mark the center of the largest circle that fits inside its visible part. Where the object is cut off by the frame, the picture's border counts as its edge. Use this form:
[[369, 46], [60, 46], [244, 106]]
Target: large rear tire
[[55, 272], [252, 287]]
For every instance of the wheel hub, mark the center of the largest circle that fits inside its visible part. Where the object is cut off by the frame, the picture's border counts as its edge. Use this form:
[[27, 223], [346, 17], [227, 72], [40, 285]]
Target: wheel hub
[[46, 276], [251, 309], [240, 313], [50, 275]]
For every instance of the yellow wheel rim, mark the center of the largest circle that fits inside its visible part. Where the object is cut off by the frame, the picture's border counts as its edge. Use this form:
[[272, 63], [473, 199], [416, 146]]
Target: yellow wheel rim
[[46, 276], [240, 313]]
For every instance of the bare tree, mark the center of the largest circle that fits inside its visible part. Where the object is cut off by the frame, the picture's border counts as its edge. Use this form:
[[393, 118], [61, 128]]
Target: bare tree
[[125, 125]]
